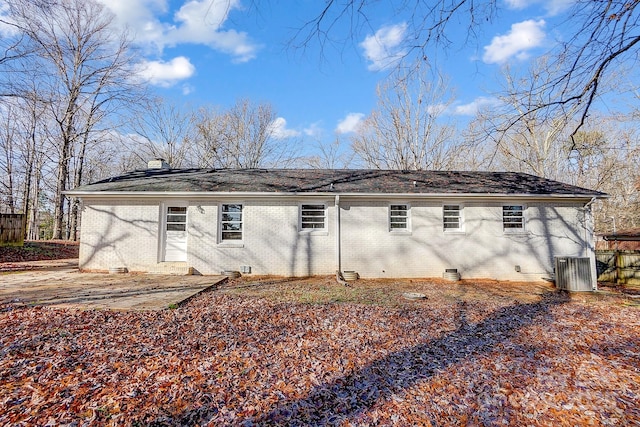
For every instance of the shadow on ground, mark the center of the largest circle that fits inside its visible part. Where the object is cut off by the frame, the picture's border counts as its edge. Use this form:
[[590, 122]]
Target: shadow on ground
[[352, 395]]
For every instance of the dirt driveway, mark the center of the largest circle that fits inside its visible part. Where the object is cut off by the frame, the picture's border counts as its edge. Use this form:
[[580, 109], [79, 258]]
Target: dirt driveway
[[59, 283]]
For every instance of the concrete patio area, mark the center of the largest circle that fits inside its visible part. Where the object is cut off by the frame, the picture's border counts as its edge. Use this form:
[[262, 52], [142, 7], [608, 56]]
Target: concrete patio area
[[62, 285]]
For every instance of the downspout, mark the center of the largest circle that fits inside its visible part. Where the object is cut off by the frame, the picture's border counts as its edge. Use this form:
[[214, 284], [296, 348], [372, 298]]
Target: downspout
[[587, 210], [339, 277], [338, 248], [590, 202], [589, 224]]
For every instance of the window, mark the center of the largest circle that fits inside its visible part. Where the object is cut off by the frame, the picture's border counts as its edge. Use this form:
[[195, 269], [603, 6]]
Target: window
[[176, 218], [451, 220], [399, 217], [231, 222], [312, 217], [513, 218]]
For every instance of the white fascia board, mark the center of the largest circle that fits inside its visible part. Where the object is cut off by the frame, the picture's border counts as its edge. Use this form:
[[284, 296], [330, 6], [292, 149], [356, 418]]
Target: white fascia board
[[192, 195]]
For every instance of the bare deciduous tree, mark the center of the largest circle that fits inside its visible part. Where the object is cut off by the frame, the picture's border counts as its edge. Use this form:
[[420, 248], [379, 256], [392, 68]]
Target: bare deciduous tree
[[245, 136], [83, 66], [606, 158], [8, 141], [598, 37], [209, 123], [536, 142], [408, 130], [22, 157], [162, 130], [332, 155]]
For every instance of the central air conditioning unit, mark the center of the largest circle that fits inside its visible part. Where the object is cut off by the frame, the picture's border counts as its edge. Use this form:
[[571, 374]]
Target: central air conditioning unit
[[574, 274]]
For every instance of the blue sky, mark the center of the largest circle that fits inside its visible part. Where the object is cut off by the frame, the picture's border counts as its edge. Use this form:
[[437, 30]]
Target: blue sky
[[216, 51]]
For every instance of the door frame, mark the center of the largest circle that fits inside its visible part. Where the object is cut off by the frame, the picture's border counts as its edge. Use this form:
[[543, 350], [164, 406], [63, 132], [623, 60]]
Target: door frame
[[162, 241]]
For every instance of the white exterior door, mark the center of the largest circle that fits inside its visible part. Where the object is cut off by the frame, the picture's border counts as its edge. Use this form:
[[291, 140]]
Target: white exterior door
[[175, 233]]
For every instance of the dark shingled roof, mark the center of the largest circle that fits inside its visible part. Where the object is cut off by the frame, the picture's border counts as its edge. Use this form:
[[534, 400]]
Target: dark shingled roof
[[329, 180]]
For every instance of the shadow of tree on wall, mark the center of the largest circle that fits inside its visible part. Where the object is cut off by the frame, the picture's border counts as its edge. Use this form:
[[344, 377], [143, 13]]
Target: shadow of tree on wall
[[349, 397]]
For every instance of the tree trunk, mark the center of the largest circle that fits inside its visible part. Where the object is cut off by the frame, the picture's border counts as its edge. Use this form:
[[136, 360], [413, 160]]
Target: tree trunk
[[8, 166], [61, 185], [32, 225], [26, 195], [77, 181], [28, 175]]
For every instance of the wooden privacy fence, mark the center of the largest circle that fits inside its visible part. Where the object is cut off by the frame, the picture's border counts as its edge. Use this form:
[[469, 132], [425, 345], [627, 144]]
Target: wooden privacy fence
[[12, 228], [618, 266]]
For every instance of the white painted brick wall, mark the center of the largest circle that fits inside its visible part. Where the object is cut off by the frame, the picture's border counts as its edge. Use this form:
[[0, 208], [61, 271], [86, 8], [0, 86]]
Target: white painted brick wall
[[122, 235], [483, 250], [271, 242], [128, 235]]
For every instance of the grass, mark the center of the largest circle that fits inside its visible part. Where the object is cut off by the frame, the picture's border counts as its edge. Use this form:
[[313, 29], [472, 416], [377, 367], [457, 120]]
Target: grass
[[388, 292], [317, 290], [381, 292]]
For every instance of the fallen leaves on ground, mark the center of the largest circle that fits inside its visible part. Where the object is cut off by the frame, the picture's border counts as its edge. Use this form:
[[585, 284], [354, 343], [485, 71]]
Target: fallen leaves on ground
[[39, 250], [225, 359]]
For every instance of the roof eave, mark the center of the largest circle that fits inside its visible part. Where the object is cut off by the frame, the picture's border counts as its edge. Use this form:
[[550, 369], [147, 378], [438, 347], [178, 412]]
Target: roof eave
[[262, 195], [622, 237]]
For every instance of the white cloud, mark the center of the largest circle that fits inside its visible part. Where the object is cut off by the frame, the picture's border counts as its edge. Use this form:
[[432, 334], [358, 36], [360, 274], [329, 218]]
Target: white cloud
[[384, 48], [166, 74], [553, 7], [523, 37], [187, 89], [437, 109], [314, 130], [518, 4], [473, 107], [201, 23], [6, 29], [279, 129], [139, 17], [350, 123], [196, 22]]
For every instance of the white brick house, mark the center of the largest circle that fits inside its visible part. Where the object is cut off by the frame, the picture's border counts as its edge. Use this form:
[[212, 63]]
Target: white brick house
[[301, 222]]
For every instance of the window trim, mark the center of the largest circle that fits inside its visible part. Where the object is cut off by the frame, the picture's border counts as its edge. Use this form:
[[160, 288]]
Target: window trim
[[405, 230], [231, 242], [460, 228], [515, 230], [325, 222], [168, 214]]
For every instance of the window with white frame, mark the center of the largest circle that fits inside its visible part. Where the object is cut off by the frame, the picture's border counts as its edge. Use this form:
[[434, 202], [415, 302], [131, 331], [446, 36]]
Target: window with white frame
[[399, 217], [452, 217], [313, 216], [231, 222], [176, 218], [513, 218]]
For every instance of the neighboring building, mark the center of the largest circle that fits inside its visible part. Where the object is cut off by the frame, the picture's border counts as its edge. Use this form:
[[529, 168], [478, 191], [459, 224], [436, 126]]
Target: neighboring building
[[623, 240], [302, 222]]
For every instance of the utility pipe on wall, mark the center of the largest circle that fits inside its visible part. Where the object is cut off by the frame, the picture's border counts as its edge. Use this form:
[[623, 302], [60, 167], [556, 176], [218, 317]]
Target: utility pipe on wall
[[589, 244], [338, 257], [587, 218]]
